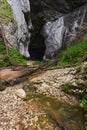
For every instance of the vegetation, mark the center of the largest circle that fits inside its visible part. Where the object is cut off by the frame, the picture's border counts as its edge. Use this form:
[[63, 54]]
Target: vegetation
[[5, 12], [3, 61], [14, 56], [38, 63], [67, 88], [83, 103], [74, 54]]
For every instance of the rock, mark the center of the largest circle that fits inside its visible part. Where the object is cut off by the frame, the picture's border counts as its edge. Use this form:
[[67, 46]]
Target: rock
[[62, 22], [56, 25], [11, 34], [63, 31], [21, 11], [48, 10], [20, 93]]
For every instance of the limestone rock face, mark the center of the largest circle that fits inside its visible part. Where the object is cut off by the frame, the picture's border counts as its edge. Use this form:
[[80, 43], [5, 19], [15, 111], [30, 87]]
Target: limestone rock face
[[56, 24], [63, 31], [62, 21], [21, 11]]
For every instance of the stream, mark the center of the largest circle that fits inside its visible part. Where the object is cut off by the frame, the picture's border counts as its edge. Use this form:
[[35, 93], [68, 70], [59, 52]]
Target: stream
[[62, 115]]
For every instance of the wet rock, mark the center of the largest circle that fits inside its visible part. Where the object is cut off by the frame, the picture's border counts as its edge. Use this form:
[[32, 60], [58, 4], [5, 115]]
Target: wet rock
[[20, 93]]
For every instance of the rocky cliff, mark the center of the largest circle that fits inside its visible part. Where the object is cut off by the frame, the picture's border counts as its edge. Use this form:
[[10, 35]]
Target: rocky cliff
[[60, 22], [56, 24], [21, 11]]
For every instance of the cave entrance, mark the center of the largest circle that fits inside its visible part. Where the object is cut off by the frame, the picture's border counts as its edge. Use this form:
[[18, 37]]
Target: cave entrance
[[37, 47]]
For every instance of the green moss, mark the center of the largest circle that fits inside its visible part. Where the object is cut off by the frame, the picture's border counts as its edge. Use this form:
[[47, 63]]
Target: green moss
[[5, 12]]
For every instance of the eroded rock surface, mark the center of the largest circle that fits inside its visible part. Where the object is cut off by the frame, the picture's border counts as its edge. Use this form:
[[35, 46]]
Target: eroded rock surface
[[21, 11]]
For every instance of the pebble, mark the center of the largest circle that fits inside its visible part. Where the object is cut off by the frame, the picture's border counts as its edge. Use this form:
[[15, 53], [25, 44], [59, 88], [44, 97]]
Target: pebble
[[20, 93]]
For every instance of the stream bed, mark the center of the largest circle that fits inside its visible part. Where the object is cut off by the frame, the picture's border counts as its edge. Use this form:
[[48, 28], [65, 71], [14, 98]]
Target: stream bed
[[62, 115]]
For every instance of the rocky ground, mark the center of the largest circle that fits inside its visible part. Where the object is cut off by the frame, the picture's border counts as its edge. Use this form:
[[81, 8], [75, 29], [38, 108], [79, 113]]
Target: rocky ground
[[20, 113], [52, 82]]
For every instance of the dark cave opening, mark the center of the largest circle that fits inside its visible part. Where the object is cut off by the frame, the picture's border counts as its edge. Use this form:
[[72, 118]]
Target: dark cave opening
[[37, 47]]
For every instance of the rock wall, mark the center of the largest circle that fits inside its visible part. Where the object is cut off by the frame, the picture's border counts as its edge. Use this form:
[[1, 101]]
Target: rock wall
[[56, 24], [21, 11], [59, 21], [63, 31]]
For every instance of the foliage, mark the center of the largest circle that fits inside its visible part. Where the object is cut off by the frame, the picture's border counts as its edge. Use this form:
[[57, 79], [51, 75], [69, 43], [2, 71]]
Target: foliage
[[67, 88], [2, 47], [4, 61], [74, 54], [38, 63], [15, 57], [5, 12], [3, 57], [83, 103]]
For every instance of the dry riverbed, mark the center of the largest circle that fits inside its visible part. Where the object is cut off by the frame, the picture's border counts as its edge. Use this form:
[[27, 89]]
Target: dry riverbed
[[44, 105]]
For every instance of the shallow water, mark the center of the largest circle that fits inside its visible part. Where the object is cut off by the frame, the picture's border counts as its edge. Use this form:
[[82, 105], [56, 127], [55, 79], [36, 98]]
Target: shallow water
[[64, 116]]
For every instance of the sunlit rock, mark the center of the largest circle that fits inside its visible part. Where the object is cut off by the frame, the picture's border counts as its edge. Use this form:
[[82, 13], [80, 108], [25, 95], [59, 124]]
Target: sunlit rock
[[20, 93]]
